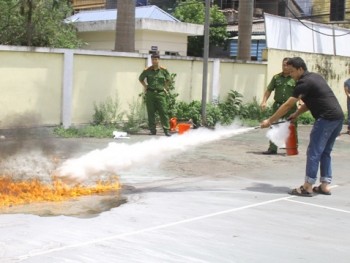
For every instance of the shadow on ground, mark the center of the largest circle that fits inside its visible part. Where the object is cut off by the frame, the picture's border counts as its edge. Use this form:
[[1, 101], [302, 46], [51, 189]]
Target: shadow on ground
[[267, 188]]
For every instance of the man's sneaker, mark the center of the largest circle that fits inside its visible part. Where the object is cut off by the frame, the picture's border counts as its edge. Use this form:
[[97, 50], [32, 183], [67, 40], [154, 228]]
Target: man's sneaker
[[269, 152], [167, 134]]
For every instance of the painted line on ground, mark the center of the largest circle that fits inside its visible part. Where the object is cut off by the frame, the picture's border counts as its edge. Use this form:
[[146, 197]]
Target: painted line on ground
[[119, 236], [99, 240], [320, 206]]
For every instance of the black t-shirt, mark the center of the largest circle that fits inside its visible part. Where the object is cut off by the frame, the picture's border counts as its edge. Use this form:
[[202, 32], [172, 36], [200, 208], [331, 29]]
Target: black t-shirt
[[318, 97]]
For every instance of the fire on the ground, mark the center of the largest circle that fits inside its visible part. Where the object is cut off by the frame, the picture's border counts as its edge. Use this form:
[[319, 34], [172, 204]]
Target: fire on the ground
[[15, 192]]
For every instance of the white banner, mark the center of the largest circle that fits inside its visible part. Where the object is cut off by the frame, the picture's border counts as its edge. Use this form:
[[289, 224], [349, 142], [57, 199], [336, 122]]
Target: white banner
[[291, 34]]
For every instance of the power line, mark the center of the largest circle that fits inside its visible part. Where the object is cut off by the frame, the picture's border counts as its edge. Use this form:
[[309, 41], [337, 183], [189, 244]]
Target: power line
[[300, 21], [316, 7]]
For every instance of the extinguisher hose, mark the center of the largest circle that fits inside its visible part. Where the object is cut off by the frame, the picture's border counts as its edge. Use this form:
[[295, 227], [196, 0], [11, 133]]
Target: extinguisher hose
[[275, 123]]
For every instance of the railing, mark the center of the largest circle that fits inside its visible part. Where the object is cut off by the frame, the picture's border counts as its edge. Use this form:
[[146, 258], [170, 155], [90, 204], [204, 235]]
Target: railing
[[88, 4]]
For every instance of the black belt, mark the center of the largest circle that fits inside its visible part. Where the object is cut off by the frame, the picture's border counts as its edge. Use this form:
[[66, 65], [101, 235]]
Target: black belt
[[155, 90]]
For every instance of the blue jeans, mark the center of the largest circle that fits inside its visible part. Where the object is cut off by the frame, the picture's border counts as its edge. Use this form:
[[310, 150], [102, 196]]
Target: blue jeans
[[322, 138], [348, 101]]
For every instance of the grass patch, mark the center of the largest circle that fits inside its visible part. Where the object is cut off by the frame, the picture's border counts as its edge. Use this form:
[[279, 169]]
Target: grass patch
[[95, 131]]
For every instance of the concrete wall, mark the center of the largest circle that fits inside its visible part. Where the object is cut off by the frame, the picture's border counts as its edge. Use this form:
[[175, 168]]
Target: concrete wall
[[247, 78], [46, 87], [31, 88], [333, 68], [97, 77]]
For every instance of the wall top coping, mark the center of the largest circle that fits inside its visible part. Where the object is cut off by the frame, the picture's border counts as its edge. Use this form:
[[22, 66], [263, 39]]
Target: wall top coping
[[114, 54], [143, 24]]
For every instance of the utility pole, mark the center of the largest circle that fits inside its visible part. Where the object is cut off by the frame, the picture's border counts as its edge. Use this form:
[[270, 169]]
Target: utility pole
[[245, 24], [205, 61]]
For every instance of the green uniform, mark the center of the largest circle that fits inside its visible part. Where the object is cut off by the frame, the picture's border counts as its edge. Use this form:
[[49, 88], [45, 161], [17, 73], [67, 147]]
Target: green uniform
[[283, 87], [156, 96]]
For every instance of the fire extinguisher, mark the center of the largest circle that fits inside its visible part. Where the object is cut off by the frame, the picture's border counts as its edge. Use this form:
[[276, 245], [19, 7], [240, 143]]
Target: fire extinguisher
[[173, 124], [292, 141]]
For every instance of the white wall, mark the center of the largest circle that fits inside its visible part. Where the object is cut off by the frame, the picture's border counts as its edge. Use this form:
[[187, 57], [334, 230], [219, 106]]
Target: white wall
[[41, 86], [162, 40], [144, 40]]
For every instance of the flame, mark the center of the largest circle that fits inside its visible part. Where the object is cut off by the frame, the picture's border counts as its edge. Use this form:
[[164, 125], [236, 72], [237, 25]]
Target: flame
[[15, 192]]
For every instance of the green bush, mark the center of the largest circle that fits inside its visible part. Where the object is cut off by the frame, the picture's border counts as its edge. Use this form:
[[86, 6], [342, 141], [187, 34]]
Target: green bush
[[171, 98], [186, 111], [96, 131], [107, 113], [107, 117], [136, 117], [193, 111], [66, 133], [306, 118], [253, 111], [230, 107], [213, 115], [224, 112]]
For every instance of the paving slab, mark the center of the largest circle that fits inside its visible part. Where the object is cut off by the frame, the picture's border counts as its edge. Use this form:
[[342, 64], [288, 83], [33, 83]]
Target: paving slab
[[219, 201]]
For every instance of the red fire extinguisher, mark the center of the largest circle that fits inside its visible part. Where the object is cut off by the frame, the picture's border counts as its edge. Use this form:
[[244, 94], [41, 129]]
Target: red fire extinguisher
[[173, 124], [292, 141]]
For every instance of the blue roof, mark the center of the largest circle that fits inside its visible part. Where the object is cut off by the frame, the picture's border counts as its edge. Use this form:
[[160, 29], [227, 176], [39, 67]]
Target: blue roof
[[150, 11]]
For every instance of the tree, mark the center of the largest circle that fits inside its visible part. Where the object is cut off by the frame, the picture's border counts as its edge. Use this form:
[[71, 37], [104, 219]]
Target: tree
[[125, 29], [193, 11], [245, 23], [37, 23]]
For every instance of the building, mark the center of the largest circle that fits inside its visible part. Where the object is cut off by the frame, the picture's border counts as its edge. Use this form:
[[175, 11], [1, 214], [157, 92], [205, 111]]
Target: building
[[155, 30], [258, 43], [288, 8], [88, 4], [100, 4], [333, 11], [275, 7]]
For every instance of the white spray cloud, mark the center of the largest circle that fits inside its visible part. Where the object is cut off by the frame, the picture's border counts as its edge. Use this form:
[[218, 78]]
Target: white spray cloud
[[279, 133], [118, 157], [27, 164]]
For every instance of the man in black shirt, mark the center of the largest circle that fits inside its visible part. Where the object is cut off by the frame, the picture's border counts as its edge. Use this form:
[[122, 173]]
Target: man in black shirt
[[318, 97], [347, 93]]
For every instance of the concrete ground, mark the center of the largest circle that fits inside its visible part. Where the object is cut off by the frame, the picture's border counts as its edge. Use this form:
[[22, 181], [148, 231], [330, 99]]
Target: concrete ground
[[217, 202]]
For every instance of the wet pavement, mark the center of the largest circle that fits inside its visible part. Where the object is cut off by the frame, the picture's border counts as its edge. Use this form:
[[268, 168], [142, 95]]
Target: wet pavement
[[221, 201]]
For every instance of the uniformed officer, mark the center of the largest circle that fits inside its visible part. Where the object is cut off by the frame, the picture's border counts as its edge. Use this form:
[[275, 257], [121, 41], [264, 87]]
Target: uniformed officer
[[283, 85], [155, 80]]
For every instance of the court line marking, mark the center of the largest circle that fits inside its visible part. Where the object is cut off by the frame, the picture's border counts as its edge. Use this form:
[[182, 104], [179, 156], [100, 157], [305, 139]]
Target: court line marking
[[320, 206], [118, 236], [99, 240]]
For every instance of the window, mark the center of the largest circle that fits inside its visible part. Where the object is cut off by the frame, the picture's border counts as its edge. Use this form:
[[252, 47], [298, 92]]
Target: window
[[170, 53], [282, 8], [337, 11]]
